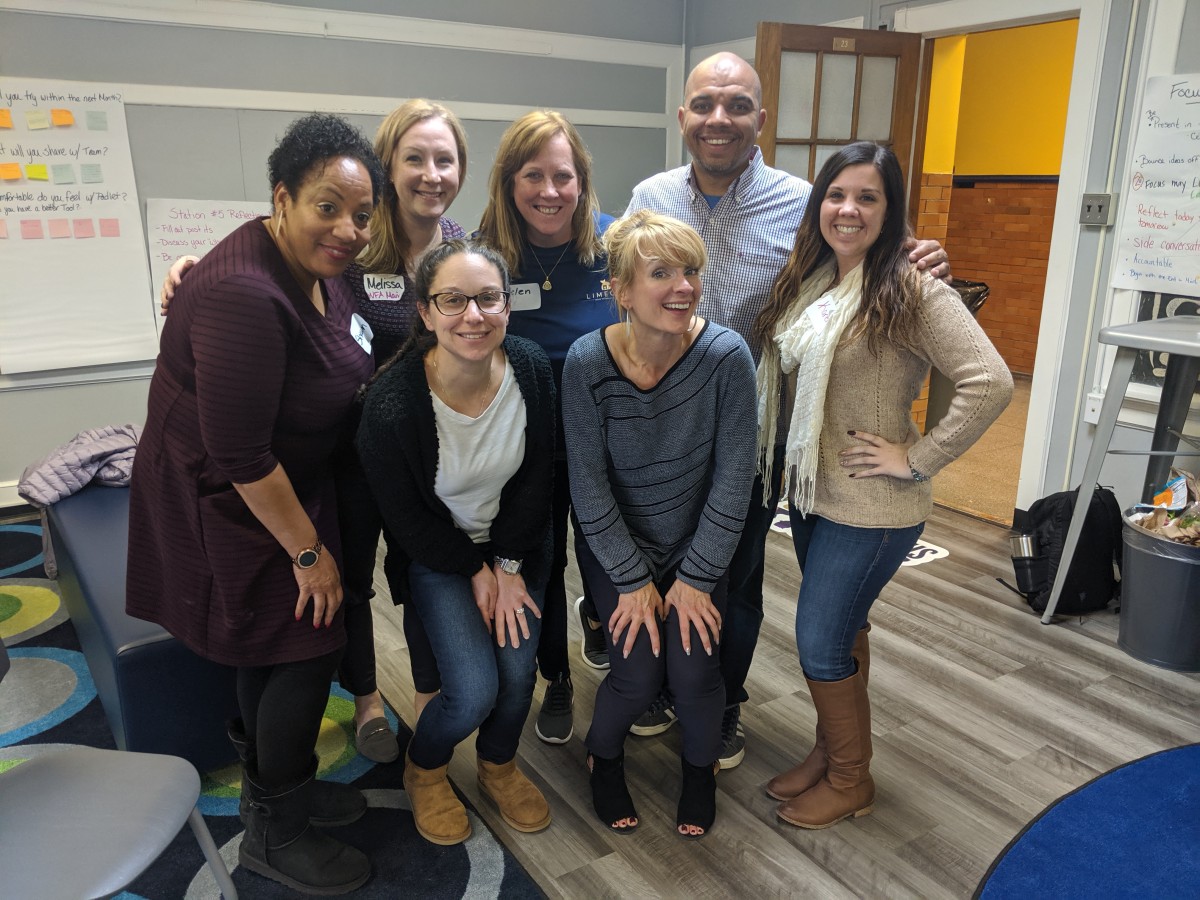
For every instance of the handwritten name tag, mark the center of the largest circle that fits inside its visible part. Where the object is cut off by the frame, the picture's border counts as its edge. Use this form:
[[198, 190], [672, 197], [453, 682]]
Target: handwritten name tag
[[525, 296], [361, 332], [384, 287], [820, 312]]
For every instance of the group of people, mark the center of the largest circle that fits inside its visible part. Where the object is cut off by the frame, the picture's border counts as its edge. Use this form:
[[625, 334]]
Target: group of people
[[557, 367]]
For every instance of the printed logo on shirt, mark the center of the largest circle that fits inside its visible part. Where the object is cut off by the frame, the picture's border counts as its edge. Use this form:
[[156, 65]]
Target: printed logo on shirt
[[525, 296], [361, 332], [388, 288]]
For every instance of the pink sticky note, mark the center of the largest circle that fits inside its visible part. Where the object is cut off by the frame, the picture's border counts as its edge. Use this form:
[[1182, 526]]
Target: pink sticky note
[[31, 229], [84, 228], [59, 228], [110, 228], [3, 230]]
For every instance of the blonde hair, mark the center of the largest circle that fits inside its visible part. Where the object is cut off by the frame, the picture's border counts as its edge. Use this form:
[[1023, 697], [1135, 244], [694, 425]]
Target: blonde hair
[[646, 234], [502, 227], [389, 244]]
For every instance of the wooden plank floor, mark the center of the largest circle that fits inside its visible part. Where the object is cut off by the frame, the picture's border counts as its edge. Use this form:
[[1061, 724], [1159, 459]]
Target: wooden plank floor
[[982, 717]]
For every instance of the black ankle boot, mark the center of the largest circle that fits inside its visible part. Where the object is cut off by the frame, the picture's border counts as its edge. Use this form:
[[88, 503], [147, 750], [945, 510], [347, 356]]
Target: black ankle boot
[[610, 794], [697, 799], [330, 803], [280, 844]]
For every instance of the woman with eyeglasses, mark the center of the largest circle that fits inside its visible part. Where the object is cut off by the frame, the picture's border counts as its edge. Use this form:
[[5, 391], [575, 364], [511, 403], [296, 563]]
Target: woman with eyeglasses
[[457, 442]]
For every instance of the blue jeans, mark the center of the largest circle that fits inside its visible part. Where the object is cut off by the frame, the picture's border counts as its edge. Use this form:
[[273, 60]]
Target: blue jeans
[[484, 686], [844, 568]]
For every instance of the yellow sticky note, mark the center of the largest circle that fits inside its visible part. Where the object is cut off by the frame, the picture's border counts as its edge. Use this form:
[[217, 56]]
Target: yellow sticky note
[[10, 171], [6, 118], [61, 117], [37, 172], [36, 119]]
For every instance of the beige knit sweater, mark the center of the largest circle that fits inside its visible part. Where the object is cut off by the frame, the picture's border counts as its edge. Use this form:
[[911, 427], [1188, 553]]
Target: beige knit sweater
[[875, 394]]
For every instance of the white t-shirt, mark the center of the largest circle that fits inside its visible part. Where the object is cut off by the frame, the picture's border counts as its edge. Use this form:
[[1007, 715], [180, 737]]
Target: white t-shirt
[[477, 457]]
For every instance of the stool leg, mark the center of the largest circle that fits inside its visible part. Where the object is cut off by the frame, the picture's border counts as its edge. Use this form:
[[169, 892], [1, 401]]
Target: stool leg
[[1118, 381], [212, 854], [1173, 405]]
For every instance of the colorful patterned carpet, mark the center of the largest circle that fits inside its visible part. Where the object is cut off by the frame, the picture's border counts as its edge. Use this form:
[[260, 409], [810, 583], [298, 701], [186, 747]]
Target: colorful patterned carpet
[[48, 699]]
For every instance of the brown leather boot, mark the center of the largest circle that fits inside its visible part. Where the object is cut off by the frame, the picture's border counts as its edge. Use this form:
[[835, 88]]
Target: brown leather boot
[[798, 779], [520, 803], [846, 789], [439, 815]]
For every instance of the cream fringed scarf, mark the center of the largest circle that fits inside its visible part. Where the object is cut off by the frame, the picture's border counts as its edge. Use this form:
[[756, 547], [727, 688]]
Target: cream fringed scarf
[[805, 340]]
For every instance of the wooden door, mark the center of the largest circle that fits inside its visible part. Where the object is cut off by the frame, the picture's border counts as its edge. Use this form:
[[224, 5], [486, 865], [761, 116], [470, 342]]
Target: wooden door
[[824, 88]]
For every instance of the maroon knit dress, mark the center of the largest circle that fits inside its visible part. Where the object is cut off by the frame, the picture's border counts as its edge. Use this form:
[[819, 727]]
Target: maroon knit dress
[[249, 375]]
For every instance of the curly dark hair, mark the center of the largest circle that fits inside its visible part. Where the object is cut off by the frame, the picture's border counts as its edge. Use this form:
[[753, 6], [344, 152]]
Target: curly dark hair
[[313, 140]]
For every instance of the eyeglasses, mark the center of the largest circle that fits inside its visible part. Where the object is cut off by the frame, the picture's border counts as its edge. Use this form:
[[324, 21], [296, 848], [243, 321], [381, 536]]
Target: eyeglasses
[[452, 303]]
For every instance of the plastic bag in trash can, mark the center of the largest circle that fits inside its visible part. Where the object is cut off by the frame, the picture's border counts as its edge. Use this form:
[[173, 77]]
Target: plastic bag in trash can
[[973, 293]]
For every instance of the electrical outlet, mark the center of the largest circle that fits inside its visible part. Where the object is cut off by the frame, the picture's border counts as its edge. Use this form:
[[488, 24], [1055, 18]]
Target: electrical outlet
[[1091, 412], [1098, 209]]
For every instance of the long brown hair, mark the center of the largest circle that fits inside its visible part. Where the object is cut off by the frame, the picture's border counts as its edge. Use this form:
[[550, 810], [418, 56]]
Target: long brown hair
[[890, 283], [389, 244], [502, 227]]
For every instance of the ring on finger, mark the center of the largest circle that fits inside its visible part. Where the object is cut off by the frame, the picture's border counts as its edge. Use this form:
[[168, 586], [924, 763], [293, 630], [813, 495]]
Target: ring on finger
[[521, 611]]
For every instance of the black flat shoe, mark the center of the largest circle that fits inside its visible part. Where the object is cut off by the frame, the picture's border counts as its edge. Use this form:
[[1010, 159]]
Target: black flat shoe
[[697, 800], [610, 794]]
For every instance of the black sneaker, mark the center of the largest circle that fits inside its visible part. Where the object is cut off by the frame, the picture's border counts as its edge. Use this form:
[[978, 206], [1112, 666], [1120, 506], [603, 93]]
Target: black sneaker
[[593, 648], [733, 739], [657, 719], [554, 725]]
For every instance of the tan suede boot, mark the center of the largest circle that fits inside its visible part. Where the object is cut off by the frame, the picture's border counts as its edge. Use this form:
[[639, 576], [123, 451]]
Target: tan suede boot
[[521, 804], [439, 815], [798, 779], [846, 789]]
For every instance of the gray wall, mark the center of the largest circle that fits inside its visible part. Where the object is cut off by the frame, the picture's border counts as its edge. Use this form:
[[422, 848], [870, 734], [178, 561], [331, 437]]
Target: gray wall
[[218, 153]]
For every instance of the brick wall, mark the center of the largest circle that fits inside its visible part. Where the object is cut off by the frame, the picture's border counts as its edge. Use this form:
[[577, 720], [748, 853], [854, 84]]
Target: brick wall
[[933, 216], [999, 233]]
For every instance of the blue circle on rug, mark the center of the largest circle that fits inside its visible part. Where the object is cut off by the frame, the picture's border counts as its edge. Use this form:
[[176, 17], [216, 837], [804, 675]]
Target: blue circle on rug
[[80, 695], [1133, 832], [21, 551]]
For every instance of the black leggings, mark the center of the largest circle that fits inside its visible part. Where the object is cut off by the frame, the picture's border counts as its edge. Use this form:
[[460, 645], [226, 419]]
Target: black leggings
[[282, 706], [632, 684]]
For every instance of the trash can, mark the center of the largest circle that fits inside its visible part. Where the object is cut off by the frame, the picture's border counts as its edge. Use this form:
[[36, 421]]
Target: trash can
[[941, 388], [1160, 600]]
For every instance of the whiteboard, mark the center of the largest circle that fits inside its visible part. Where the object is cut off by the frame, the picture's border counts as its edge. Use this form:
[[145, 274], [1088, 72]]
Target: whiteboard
[[1159, 245], [178, 228], [72, 249]]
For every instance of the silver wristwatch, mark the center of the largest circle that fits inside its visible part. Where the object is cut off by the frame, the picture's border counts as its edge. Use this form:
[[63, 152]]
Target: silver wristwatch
[[509, 566]]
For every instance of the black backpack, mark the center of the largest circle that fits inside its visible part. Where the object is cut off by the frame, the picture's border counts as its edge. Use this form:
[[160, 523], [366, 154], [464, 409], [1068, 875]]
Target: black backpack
[[1091, 583]]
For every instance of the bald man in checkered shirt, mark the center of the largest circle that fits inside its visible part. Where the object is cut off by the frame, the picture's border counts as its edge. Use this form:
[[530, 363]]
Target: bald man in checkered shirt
[[747, 213]]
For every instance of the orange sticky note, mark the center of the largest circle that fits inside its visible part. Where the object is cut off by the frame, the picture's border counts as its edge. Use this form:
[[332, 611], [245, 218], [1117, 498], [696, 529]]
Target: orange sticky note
[[61, 117], [6, 118], [59, 228], [3, 230], [110, 228], [84, 229], [36, 172], [10, 171]]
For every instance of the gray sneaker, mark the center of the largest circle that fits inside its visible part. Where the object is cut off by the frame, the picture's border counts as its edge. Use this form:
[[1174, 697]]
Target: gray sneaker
[[554, 725], [733, 739], [655, 720], [593, 648]]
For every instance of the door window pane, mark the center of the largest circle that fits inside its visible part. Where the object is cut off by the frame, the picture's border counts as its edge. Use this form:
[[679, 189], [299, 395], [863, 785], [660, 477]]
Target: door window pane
[[824, 151], [797, 86], [837, 96], [793, 159], [875, 98]]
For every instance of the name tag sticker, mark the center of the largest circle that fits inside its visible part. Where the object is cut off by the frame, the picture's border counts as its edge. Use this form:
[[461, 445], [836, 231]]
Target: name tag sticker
[[388, 288], [361, 332], [819, 313], [525, 296]]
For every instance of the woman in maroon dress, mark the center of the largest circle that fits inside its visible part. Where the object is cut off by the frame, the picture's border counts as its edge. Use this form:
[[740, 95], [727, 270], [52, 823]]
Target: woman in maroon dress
[[233, 520]]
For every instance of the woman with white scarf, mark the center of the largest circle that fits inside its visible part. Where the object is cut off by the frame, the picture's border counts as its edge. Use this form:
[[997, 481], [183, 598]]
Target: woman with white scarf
[[854, 327]]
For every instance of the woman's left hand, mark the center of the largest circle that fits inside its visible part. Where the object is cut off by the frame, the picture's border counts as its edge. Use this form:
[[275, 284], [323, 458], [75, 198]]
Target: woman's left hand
[[513, 608], [694, 608], [879, 455]]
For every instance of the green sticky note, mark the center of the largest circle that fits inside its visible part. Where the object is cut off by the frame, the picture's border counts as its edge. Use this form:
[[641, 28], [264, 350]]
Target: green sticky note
[[90, 173], [63, 174]]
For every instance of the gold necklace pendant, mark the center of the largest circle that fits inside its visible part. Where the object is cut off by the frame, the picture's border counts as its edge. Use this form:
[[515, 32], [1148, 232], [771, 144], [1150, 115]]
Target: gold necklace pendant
[[546, 285]]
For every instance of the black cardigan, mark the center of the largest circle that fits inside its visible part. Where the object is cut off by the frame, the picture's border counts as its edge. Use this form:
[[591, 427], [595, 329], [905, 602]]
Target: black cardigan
[[398, 447]]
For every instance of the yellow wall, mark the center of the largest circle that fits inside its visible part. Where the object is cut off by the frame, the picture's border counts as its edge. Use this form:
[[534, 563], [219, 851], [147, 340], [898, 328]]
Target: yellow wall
[[945, 87], [1013, 105]]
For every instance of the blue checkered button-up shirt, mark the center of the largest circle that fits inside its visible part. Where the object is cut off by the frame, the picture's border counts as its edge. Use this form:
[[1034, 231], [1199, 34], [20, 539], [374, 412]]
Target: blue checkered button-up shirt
[[749, 235]]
